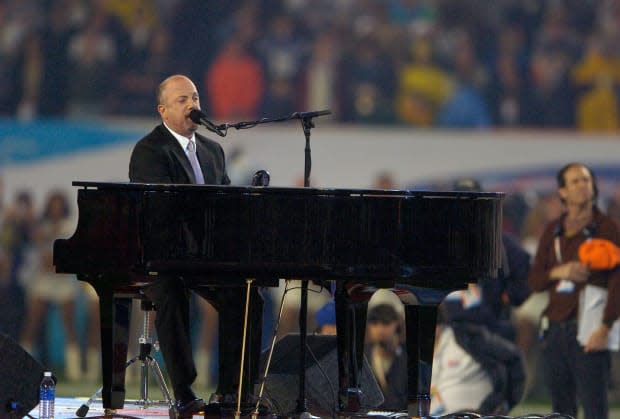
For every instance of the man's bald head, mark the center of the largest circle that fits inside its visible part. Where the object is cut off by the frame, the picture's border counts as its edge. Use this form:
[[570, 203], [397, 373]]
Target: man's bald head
[[161, 90]]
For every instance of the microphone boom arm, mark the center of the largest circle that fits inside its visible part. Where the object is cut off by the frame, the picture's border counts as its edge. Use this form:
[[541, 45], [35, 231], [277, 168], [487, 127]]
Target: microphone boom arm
[[304, 116]]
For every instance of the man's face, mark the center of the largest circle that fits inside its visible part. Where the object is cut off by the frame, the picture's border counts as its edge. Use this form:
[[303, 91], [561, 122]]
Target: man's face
[[578, 189], [381, 332], [179, 97]]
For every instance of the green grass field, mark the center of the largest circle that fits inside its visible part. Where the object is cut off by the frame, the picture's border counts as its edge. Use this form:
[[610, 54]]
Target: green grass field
[[530, 406]]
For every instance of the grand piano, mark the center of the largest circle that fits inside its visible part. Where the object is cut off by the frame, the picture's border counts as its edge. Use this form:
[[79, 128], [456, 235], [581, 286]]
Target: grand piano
[[421, 244]]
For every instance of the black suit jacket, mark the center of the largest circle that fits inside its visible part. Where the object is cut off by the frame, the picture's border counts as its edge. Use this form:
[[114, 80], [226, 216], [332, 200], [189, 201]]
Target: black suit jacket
[[159, 158]]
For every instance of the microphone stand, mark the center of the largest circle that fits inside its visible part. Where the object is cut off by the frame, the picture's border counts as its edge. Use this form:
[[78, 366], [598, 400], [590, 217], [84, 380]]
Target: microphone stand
[[301, 410], [302, 407]]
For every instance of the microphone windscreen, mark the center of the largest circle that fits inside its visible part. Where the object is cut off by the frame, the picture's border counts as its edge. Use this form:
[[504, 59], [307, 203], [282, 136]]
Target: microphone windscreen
[[196, 115]]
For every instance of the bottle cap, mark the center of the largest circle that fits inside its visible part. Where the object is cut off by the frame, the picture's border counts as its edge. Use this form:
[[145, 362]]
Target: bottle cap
[[47, 374]]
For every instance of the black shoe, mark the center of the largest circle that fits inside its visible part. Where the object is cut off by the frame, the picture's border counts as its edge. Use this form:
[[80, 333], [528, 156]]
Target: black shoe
[[189, 408], [215, 398], [226, 399]]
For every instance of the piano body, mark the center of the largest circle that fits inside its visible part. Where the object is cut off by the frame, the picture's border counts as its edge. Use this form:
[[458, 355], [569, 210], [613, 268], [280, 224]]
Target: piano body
[[422, 244]]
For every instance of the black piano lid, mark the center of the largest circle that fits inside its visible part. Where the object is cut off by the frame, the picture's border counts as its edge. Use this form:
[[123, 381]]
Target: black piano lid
[[288, 190]]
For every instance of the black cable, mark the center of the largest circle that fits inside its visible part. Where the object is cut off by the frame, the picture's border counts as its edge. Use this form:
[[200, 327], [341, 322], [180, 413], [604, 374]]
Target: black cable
[[329, 382]]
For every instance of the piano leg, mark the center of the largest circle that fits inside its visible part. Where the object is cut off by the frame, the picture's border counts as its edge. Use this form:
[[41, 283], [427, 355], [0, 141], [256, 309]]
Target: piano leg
[[351, 331], [115, 314], [420, 321]]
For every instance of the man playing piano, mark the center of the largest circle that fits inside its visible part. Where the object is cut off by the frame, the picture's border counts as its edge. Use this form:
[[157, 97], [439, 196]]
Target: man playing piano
[[175, 153]]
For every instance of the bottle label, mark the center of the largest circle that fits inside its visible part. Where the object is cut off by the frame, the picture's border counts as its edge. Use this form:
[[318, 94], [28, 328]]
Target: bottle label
[[46, 394]]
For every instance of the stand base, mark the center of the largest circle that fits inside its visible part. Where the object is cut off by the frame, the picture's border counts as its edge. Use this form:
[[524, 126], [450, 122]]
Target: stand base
[[304, 415], [111, 413], [148, 363], [224, 410]]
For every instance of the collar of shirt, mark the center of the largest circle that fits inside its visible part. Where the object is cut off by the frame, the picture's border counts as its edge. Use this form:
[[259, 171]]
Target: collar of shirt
[[183, 141]]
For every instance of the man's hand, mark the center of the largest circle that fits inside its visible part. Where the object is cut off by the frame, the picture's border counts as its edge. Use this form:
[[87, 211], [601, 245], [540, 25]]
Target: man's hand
[[571, 271], [597, 340]]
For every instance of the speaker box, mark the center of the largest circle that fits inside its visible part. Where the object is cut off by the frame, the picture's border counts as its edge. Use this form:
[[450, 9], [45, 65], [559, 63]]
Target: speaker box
[[20, 376], [321, 385]]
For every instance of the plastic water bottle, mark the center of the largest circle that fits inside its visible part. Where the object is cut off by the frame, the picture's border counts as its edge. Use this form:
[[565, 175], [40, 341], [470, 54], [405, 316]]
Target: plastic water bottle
[[47, 395]]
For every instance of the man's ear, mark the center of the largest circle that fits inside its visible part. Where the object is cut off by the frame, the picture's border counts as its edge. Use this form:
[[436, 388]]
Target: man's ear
[[161, 109], [562, 193]]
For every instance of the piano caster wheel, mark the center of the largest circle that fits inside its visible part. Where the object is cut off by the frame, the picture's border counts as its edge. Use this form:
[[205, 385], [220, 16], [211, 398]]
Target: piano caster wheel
[[307, 415], [109, 412], [173, 413], [421, 408]]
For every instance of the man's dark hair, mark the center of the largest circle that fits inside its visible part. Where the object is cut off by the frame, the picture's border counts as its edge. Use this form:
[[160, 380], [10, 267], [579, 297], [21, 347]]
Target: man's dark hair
[[561, 178], [383, 313]]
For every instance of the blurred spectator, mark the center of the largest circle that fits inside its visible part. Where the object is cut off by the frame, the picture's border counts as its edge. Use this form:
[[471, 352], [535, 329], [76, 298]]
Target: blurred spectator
[[325, 319], [555, 50], [386, 355], [44, 287], [321, 78], [369, 92], [53, 45], [597, 77], [466, 107], [240, 22], [94, 53], [474, 370], [507, 92], [16, 231], [556, 34], [552, 103], [418, 15], [490, 302], [577, 364], [234, 83], [138, 18], [423, 87], [384, 180], [281, 50], [141, 79], [193, 26], [318, 296], [16, 55]]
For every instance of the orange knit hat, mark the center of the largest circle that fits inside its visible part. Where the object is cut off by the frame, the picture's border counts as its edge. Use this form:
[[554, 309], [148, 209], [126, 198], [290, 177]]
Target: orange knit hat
[[599, 254]]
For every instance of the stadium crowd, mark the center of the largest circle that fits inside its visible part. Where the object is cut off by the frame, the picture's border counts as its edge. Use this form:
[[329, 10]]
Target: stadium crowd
[[440, 63]]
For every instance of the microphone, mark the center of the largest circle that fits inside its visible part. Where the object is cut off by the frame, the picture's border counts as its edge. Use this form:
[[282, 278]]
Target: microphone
[[312, 114], [261, 178], [199, 117]]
